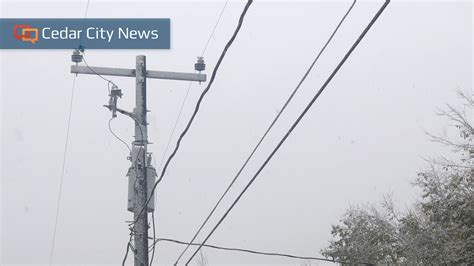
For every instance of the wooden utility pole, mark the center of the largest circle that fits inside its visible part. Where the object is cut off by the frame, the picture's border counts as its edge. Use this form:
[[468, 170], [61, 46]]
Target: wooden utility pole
[[140, 161]]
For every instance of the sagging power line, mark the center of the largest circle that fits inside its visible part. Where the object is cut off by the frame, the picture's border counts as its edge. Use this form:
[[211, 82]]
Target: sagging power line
[[203, 94], [140, 158], [211, 35], [256, 252], [308, 106], [282, 109], [196, 109]]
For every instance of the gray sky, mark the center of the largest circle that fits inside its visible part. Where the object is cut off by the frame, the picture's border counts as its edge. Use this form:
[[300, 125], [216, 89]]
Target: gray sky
[[363, 138]]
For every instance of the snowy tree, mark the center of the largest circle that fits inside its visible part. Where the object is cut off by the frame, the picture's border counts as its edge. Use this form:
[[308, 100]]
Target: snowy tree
[[364, 236], [438, 229]]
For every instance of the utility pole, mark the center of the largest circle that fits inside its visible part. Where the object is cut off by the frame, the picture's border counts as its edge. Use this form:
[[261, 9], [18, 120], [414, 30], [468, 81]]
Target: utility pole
[[138, 163], [141, 173]]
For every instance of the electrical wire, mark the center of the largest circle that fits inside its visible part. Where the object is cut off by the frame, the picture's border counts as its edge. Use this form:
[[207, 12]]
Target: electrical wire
[[109, 81], [128, 147], [154, 236], [117, 137], [198, 104], [84, 23], [228, 45], [326, 83], [83, 55], [268, 129], [188, 89], [64, 155], [99, 75], [174, 127], [80, 47], [62, 171], [111, 131], [255, 252], [215, 27], [182, 107], [128, 248]]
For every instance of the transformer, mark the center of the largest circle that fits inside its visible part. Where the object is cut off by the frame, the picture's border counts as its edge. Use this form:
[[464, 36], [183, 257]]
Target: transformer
[[151, 177]]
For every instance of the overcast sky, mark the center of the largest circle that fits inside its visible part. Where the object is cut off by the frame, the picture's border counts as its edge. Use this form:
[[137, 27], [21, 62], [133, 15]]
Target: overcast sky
[[364, 137]]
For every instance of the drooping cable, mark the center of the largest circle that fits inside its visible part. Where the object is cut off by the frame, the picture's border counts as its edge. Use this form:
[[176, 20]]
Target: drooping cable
[[117, 137], [326, 83], [109, 81], [198, 104], [255, 252], [290, 98], [183, 103]]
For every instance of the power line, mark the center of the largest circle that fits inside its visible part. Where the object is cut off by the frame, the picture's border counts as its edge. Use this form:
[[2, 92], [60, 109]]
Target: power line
[[84, 22], [188, 89], [164, 154], [64, 154], [356, 43], [175, 126], [117, 137], [154, 236], [229, 43], [62, 171], [215, 27], [255, 252], [128, 248], [83, 58], [198, 104], [268, 130], [181, 111], [109, 81]]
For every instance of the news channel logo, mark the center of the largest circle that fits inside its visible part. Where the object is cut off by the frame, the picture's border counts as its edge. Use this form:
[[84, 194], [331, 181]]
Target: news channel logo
[[128, 33]]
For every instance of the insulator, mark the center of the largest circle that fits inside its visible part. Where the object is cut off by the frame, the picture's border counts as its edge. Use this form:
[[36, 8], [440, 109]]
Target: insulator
[[76, 56], [116, 92], [200, 65]]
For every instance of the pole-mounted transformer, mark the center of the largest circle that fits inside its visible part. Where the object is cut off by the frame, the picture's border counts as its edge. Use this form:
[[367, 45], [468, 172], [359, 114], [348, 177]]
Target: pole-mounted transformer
[[150, 176]]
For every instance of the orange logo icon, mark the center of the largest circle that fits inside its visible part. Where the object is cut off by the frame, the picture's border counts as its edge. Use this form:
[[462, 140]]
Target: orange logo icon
[[27, 33]]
